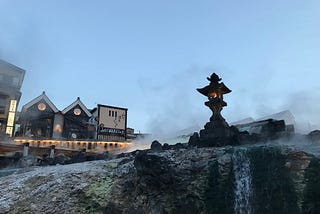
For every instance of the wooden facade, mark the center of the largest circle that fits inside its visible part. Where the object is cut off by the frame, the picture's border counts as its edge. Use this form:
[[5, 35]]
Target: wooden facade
[[76, 117], [37, 118], [40, 119]]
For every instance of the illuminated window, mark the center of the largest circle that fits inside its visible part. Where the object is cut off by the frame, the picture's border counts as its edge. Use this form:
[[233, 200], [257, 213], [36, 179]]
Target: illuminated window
[[77, 111], [58, 128], [42, 106]]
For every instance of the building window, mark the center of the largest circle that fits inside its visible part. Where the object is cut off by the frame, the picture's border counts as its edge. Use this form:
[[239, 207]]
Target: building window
[[112, 113], [2, 105], [15, 81], [109, 113], [42, 106], [115, 114], [77, 111]]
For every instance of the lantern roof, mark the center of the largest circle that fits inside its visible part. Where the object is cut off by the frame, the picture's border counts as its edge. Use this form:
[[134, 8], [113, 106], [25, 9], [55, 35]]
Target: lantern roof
[[214, 86]]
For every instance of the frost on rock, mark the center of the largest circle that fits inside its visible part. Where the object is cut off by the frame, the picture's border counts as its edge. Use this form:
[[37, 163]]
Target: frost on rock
[[43, 189]]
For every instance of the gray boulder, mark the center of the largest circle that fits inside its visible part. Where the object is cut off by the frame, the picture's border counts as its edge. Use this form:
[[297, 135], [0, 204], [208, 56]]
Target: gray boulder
[[28, 161], [156, 146]]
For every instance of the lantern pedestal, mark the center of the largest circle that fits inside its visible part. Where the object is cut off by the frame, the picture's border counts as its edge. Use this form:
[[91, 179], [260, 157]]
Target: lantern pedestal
[[217, 132]]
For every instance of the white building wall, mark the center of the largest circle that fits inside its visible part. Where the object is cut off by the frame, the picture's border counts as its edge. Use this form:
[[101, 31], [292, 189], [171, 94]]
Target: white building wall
[[114, 118]]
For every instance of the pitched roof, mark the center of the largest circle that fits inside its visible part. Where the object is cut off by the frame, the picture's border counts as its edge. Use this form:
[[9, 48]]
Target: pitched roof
[[75, 103], [286, 115], [243, 121], [44, 97]]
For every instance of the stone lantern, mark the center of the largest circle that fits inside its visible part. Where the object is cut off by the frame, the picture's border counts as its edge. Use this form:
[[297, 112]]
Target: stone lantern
[[215, 91], [217, 131]]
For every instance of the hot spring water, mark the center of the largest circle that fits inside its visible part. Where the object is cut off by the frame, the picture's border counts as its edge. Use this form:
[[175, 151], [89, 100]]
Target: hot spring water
[[242, 175]]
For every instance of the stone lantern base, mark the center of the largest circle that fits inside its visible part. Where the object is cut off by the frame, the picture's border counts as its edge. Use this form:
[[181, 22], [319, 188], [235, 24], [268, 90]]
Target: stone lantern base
[[215, 134]]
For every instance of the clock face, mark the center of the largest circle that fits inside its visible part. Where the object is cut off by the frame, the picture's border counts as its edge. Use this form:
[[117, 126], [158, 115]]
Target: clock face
[[42, 106], [77, 111], [74, 135]]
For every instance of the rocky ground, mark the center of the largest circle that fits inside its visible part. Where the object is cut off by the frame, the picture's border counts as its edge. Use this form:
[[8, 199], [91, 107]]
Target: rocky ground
[[169, 179], [120, 185], [53, 189]]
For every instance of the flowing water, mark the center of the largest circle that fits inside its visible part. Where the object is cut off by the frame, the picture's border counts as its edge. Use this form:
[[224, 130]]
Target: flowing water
[[243, 188]]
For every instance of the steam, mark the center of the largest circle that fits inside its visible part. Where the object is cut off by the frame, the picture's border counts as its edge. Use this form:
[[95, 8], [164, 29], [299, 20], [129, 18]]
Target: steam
[[301, 143], [173, 103], [140, 144], [23, 43], [256, 96], [306, 108]]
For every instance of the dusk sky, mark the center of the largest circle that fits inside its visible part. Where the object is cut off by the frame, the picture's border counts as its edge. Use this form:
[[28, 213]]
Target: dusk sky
[[150, 56]]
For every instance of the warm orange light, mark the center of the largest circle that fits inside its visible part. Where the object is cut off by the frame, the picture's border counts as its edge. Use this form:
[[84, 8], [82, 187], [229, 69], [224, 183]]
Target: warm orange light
[[58, 128], [42, 106], [70, 144], [213, 95]]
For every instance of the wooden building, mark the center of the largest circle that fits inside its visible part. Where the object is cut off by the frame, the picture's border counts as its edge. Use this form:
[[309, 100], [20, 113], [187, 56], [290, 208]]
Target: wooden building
[[76, 117], [37, 117], [40, 119]]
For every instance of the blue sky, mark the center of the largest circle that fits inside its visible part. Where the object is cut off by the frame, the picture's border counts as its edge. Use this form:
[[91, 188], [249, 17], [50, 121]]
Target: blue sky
[[150, 56]]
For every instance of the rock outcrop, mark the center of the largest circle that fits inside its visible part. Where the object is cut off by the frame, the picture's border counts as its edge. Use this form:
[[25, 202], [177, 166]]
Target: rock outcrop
[[20, 161], [156, 146], [266, 178]]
